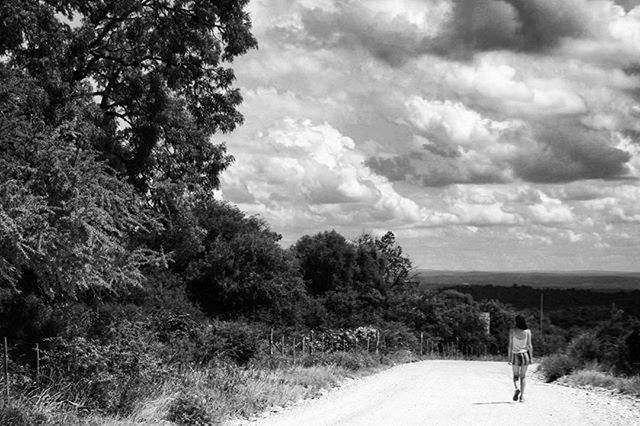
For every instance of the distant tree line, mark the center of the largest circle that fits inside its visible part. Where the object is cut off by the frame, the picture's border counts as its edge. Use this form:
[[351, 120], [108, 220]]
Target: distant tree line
[[567, 308]]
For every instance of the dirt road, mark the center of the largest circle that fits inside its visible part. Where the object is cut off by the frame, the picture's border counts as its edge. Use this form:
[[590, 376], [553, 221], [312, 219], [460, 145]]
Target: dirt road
[[454, 393]]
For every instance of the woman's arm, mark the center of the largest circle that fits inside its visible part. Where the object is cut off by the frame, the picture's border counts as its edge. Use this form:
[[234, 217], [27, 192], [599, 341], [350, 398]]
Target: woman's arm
[[529, 344]]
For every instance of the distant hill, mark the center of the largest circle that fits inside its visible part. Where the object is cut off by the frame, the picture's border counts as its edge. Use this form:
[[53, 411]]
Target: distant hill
[[585, 280]]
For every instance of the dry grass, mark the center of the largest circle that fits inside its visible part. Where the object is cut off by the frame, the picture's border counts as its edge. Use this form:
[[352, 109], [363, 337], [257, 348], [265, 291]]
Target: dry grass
[[214, 394], [222, 392], [230, 392], [600, 379]]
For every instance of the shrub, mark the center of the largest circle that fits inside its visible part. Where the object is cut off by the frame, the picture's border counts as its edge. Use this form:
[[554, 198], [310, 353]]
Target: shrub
[[396, 336], [109, 376], [630, 357], [594, 378], [557, 365], [235, 341], [188, 409], [585, 347]]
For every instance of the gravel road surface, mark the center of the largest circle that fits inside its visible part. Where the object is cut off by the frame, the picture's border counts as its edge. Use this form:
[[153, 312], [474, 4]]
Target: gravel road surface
[[454, 393]]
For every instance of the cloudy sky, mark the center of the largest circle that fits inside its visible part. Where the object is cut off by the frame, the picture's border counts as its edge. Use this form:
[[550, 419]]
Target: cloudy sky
[[486, 134]]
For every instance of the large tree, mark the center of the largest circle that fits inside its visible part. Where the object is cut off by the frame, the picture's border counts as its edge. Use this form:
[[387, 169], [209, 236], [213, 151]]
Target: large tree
[[156, 69], [108, 112]]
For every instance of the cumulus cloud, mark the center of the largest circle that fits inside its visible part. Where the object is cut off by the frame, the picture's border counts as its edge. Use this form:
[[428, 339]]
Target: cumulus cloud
[[459, 145], [566, 152], [494, 84], [314, 168], [456, 145], [522, 25], [551, 211], [617, 42], [455, 28]]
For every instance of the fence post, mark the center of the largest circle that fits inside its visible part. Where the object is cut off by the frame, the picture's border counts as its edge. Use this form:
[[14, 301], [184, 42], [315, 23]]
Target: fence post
[[421, 341], [294, 349], [37, 363], [6, 369], [377, 341], [304, 348], [282, 345], [271, 343], [312, 347], [367, 343]]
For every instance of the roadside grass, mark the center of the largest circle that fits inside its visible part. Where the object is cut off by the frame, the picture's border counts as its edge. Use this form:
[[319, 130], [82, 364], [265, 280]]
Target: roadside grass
[[211, 395], [601, 379], [225, 392]]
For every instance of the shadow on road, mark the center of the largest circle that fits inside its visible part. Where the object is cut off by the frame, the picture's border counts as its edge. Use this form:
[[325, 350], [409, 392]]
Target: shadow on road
[[492, 403]]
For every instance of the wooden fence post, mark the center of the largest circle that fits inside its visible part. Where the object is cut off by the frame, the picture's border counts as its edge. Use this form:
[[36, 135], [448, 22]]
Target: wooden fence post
[[304, 348], [271, 343], [294, 349], [312, 348], [38, 363], [377, 341], [6, 369], [282, 345], [421, 341], [367, 343]]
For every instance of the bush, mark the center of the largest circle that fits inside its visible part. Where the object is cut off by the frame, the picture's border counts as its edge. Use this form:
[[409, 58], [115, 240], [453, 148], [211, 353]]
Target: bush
[[234, 341], [585, 347], [396, 335], [188, 409], [630, 356], [557, 365], [110, 376]]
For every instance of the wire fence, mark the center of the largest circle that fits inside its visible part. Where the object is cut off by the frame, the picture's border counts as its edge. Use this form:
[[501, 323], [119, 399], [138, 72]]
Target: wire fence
[[373, 341], [295, 347]]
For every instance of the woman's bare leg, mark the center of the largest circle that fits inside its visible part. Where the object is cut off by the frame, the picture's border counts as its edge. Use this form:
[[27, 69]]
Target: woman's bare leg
[[516, 375], [523, 374]]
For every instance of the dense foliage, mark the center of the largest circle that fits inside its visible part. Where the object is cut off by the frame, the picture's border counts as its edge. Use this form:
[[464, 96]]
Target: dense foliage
[[156, 70], [66, 221]]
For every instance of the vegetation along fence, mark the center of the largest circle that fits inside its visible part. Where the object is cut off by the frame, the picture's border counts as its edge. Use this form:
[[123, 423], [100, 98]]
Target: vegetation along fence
[[371, 340], [296, 346]]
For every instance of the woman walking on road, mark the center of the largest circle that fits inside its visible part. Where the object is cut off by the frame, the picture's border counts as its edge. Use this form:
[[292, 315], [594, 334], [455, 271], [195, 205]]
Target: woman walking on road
[[520, 354]]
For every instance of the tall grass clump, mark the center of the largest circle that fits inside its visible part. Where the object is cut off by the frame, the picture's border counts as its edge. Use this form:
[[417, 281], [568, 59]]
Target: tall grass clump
[[585, 347], [557, 365], [602, 379], [211, 395]]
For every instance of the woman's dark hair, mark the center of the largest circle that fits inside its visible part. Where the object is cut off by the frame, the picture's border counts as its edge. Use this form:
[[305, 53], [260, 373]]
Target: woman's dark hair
[[521, 323]]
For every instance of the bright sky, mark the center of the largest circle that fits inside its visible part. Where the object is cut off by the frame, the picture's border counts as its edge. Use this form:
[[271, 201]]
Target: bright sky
[[486, 134]]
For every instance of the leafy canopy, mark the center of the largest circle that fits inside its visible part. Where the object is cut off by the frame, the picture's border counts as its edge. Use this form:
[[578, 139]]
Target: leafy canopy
[[107, 112], [154, 67], [66, 221]]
